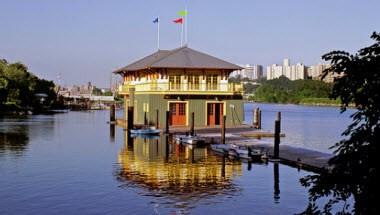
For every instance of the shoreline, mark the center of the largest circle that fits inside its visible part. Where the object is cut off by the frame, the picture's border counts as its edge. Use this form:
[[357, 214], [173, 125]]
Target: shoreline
[[299, 104]]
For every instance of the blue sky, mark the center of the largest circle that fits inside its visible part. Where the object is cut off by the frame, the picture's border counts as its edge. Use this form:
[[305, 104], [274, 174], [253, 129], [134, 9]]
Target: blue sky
[[84, 40]]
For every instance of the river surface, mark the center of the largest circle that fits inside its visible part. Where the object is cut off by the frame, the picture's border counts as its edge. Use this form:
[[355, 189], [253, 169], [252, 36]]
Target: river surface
[[75, 163], [311, 127]]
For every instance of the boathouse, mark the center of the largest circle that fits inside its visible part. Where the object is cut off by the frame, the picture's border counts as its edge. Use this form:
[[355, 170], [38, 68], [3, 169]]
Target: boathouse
[[182, 81]]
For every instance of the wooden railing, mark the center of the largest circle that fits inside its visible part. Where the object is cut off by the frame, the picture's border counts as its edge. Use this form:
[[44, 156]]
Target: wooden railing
[[183, 88]]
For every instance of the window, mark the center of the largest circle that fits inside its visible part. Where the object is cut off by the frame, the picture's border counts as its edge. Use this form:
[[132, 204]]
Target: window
[[212, 82], [172, 108], [182, 109], [174, 82], [193, 81]]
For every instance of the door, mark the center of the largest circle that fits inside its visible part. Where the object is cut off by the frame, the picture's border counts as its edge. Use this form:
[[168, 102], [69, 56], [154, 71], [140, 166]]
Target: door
[[177, 113], [214, 113]]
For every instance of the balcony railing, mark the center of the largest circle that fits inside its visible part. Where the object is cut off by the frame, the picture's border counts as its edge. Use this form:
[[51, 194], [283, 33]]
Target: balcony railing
[[184, 88]]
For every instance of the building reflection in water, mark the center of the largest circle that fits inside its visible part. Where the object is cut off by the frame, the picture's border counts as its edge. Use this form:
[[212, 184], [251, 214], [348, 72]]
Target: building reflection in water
[[176, 172]]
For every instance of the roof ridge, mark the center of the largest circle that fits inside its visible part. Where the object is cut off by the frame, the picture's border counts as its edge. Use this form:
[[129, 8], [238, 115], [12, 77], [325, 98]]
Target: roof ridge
[[171, 52]]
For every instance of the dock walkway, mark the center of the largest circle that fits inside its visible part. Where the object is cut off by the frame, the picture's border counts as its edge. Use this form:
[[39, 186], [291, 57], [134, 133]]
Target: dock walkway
[[246, 135]]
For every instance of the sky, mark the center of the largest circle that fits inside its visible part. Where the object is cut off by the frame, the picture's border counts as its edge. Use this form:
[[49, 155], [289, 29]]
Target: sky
[[85, 40]]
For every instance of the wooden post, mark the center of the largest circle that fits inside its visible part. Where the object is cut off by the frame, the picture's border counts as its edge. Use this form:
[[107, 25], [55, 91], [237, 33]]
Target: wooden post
[[224, 130], [130, 118], [167, 121], [254, 117], [277, 131], [131, 108], [259, 119], [126, 105], [157, 119], [192, 133], [112, 113], [145, 119]]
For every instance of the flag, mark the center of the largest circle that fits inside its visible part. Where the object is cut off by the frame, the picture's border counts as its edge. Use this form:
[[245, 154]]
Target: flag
[[155, 20], [178, 21], [182, 13]]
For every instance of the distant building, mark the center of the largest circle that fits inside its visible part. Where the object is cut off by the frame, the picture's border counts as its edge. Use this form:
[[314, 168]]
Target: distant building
[[252, 72], [293, 72], [315, 72]]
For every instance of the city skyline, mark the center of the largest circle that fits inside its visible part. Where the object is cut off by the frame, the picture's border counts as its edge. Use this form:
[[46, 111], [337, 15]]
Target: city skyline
[[85, 41]]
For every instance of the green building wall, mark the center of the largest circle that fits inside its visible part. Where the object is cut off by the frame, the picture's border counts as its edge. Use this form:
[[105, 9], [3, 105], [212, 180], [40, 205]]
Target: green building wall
[[150, 103]]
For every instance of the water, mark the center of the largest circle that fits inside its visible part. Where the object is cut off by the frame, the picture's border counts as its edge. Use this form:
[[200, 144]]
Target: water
[[305, 126], [75, 164]]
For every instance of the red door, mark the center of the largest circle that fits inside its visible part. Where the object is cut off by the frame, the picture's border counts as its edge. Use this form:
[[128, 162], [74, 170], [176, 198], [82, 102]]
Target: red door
[[178, 113], [214, 113]]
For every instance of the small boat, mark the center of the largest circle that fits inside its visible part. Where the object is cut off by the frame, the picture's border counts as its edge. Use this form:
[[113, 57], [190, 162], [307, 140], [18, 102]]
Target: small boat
[[237, 151], [146, 136], [221, 148], [146, 131], [245, 152], [189, 139]]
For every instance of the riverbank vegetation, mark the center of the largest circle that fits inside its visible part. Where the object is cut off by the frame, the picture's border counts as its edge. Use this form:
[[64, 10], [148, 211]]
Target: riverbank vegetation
[[283, 90], [353, 172], [22, 91]]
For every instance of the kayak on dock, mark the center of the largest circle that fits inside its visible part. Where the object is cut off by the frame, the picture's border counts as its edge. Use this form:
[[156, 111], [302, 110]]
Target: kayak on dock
[[189, 139], [238, 151]]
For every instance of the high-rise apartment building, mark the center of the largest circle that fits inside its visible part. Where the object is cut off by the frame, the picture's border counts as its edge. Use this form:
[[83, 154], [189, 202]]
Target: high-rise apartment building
[[293, 72], [315, 72], [252, 72]]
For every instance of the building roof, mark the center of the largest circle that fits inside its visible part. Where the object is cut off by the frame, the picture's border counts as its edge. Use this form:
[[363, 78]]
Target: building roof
[[183, 57]]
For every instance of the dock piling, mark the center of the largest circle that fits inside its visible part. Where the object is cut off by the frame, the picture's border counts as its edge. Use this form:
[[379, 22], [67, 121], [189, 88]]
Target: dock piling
[[255, 115], [167, 122], [157, 119], [224, 130], [145, 119], [112, 113], [277, 131], [192, 133], [130, 108], [259, 120], [130, 118], [256, 118]]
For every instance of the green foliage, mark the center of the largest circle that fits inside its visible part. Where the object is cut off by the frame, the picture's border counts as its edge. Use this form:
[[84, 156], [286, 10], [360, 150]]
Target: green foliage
[[18, 87], [354, 166], [283, 90]]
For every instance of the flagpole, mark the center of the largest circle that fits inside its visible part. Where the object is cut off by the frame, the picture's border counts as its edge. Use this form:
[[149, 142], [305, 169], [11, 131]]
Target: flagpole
[[158, 34], [186, 20], [182, 33]]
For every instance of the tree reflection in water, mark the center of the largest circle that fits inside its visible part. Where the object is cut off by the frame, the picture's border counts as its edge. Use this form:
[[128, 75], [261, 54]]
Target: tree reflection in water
[[176, 175], [14, 142]]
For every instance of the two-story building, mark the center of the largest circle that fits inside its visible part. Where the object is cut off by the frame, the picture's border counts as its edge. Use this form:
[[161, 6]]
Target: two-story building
[[183, 81]]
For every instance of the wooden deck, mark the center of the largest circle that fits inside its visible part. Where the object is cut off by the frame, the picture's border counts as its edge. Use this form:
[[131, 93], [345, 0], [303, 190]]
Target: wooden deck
[[246, 135]]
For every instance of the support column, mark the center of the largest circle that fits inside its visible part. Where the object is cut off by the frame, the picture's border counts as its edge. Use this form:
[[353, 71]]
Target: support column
[[277, 130], [131, 108], [224, 130]]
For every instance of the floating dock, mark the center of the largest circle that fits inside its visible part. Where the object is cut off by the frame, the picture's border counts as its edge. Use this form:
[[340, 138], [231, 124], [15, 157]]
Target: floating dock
[[304, 158]]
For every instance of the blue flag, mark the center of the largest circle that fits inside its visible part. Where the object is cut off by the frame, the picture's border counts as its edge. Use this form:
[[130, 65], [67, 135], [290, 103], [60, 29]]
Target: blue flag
[[155, 20]]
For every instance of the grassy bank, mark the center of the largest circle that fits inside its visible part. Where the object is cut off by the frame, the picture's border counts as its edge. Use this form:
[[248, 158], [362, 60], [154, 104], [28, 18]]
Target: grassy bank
[[304, 101], [319, 102]]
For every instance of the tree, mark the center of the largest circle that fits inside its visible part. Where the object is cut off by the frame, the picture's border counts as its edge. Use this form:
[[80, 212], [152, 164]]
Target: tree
[[19, 87], [353, 168]]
